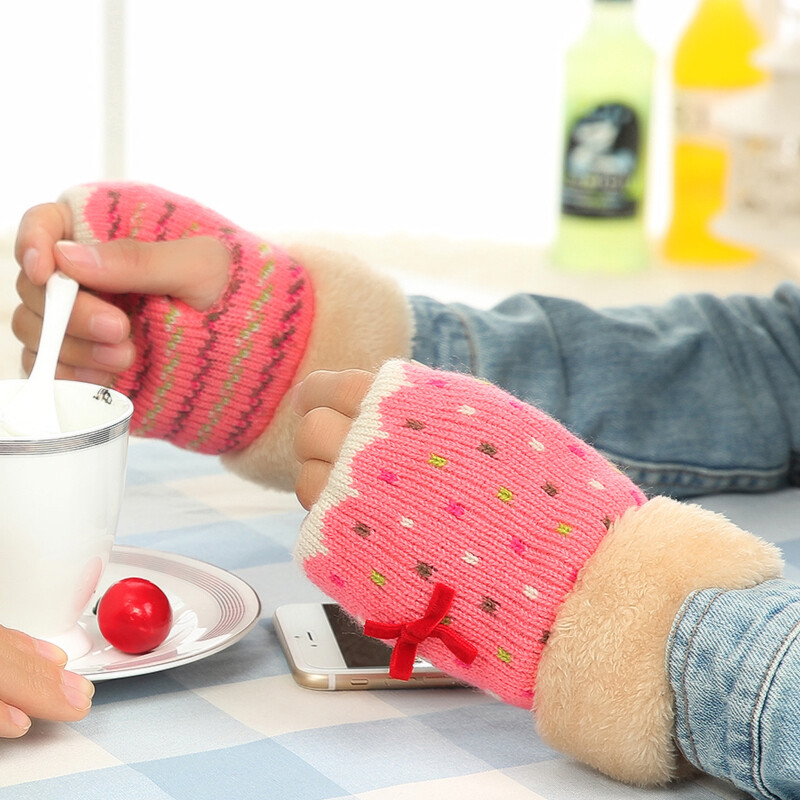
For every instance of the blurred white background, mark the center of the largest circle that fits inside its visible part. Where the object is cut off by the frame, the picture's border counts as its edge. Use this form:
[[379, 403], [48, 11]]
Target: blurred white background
[[423, 136], [430, 117]]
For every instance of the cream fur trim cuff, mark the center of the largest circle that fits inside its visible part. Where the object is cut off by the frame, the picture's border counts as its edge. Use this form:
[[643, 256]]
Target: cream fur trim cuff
[[602, 693], [362, 318]]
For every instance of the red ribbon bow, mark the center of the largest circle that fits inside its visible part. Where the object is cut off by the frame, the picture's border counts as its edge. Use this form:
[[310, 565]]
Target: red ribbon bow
[[410, 634]]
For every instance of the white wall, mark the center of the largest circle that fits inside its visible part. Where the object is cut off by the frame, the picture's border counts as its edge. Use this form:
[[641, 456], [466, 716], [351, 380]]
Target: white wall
[[358, 116], [51, 68]]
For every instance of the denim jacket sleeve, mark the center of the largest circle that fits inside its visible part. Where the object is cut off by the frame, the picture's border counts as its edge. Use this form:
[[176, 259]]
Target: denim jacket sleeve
[[699, 395], [733, 660]]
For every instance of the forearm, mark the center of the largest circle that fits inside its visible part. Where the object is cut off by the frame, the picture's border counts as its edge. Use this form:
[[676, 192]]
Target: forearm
[[213, 370], [471, 526], [701, 394]]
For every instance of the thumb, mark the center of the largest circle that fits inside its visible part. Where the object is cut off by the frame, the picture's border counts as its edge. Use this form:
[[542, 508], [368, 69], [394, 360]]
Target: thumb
[[194, 270]]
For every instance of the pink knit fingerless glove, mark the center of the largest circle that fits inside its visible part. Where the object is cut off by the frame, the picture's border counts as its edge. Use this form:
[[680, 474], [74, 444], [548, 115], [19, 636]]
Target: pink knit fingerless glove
[[455, 522], [205, 380]]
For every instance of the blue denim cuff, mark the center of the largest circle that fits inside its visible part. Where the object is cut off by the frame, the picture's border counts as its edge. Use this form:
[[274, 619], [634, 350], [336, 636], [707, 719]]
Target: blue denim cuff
[[734, 665], [442, 336]]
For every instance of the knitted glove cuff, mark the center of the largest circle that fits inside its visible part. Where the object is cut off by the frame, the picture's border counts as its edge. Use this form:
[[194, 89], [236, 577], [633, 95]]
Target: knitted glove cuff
[[206, 380], [449, 485], [603, 694]]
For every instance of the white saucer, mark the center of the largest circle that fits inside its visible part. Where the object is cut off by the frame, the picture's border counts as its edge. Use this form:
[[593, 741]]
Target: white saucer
[[211, 609]]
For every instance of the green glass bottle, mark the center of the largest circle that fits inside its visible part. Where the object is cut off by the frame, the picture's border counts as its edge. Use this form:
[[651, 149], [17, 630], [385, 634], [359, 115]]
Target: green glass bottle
[[609, 85]]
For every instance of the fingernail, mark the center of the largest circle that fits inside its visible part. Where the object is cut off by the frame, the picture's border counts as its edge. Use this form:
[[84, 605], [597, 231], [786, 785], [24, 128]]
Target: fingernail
[[116, 356], [295, 393], [79, 254], [106, 327], [50, 651], [78, 690], [30, 260], [19, 718]]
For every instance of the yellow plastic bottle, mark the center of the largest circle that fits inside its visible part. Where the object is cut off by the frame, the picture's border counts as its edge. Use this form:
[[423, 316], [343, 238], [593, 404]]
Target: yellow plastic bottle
[[609, 82], [712, 61]]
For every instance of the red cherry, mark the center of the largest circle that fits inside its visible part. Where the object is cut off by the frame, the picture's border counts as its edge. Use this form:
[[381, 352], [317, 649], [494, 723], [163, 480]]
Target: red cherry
[[134, 615]]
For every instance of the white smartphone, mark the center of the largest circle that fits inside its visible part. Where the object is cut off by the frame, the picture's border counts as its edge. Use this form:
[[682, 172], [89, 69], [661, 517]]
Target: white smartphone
[[326, 649]]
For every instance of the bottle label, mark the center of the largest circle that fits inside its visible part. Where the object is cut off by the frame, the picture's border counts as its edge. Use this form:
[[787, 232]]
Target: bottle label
[[764, 179], [602, 154], [694, 110]]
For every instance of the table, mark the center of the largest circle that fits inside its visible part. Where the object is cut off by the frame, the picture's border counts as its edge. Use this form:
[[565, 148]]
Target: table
[[235, 725]]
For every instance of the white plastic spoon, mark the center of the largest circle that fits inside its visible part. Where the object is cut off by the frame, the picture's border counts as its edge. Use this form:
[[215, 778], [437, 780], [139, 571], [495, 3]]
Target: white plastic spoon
[[32, 411]]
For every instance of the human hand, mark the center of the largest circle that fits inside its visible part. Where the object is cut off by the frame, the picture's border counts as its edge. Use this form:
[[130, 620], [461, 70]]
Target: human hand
[[328, 402], [34, 683], [97, 346], [218, 318]]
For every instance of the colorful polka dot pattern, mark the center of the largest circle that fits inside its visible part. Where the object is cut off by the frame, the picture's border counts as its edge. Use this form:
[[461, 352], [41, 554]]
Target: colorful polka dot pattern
[[208, 381], [499, 502]]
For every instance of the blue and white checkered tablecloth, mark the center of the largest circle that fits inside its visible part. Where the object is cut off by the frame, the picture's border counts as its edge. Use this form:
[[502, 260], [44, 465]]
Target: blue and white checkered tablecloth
[[235, 725]]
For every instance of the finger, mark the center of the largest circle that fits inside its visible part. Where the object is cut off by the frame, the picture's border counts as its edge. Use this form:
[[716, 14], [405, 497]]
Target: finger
[[320, 435], [311, 481], [39, 229], [31, 294], [194, 270], [32, 680], [75, 352], [92, 318], [99, 377], [14, 722], [27, 644], [342, 391], [56, 695]]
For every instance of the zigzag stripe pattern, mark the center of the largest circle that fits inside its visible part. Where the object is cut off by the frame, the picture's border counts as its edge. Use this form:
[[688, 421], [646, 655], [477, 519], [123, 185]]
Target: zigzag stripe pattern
[[205, 380]]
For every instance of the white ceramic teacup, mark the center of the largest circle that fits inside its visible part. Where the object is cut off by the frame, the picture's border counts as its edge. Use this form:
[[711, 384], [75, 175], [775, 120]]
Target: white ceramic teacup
[[60, 499]]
